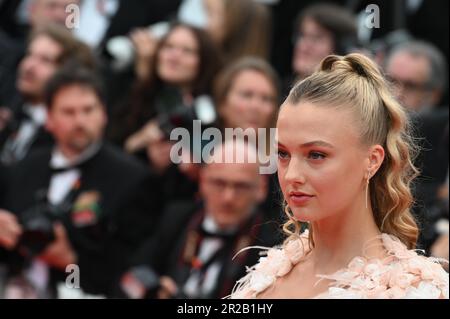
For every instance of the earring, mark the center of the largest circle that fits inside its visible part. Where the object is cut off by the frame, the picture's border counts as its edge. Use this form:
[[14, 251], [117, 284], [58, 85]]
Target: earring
[[367, 189]]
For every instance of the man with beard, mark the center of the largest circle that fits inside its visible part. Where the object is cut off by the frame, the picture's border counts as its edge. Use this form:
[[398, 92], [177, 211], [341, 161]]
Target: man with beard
[[22, 121], [100, 202]]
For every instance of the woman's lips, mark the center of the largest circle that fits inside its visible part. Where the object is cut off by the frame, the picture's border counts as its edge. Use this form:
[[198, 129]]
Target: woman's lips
[[300, 199]]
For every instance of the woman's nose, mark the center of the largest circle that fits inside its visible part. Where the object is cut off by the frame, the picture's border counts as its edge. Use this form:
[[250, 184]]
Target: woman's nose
[[295, 171]]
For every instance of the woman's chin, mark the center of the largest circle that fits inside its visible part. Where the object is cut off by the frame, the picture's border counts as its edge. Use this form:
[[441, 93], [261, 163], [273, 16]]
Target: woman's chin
[[304, 215]]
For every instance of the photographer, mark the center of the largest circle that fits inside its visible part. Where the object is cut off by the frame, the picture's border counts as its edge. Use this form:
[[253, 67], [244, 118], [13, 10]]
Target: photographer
[[82, 202], [181, 69], [181, 73], [191, 254]]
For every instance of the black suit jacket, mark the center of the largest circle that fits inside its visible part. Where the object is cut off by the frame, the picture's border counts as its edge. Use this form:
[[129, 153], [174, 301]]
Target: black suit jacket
[[126, 201], [42, 138], [165, 252], [432, 161]]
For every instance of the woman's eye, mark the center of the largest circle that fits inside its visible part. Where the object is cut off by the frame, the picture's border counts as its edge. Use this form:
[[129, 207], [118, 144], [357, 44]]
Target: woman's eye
[[316, 155], [245, 94], [282, 155]]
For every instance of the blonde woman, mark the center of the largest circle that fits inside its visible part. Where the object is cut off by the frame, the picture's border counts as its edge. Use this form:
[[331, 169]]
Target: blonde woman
[[345, 167]]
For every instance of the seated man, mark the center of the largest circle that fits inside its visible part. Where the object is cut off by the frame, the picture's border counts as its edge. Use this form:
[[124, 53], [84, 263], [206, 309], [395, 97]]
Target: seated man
[[191, 255], [95, 202]]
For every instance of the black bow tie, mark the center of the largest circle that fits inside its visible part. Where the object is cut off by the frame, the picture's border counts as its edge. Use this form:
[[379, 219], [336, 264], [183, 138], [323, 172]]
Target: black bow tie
[[60, 170], [221, 235]]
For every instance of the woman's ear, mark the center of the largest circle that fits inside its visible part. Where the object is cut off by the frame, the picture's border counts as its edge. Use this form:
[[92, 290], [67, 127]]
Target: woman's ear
[[376, 158]]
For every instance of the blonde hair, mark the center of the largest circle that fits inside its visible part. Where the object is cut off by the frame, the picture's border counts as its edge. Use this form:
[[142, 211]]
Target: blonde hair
[[356, 83]]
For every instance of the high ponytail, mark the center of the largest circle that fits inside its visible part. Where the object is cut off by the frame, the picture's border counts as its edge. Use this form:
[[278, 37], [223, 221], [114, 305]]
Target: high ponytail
[[355, 82]]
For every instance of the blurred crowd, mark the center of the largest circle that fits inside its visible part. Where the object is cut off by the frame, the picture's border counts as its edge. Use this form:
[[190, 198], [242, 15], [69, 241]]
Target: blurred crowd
[[90, 91]]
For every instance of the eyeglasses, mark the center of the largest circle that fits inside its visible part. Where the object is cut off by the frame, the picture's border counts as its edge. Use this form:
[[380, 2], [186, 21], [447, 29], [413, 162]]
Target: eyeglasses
[[220, 185]]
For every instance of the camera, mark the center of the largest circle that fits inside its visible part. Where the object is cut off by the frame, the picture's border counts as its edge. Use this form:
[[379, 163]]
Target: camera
[[183, 116], [174, 113], [37, 222], [142, 282]]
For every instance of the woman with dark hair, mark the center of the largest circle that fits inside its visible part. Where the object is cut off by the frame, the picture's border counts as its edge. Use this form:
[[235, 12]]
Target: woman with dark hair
[[320, 30], [181, 69]]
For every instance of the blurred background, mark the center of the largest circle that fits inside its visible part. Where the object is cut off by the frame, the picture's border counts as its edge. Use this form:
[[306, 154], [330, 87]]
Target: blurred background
[[107, 80]]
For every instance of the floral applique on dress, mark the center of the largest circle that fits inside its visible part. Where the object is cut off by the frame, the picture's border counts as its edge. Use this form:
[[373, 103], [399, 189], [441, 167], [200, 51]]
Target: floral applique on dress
[[403, 274]]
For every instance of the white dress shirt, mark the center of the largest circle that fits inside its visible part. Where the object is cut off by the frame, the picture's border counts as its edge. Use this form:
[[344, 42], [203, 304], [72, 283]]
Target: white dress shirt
[[209, 246]]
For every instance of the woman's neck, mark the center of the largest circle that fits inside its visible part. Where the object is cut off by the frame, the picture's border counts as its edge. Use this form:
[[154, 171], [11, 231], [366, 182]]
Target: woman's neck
[[340, 238]]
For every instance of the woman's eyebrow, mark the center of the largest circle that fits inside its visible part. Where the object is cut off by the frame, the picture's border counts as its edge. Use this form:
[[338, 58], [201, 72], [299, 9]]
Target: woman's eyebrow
[[309, 144], [279, 144], [317, 143]]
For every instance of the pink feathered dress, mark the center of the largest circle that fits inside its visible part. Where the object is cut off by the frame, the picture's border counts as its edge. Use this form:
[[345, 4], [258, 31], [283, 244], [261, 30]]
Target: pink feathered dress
[[403, 274]]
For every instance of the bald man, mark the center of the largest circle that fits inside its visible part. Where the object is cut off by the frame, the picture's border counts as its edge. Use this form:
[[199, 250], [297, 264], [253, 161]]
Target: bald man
[[192, 252]]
